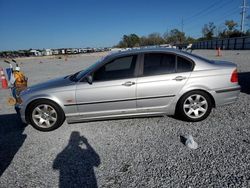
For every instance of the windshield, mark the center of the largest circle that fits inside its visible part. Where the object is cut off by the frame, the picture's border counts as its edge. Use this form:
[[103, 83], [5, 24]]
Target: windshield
[[78, 75]]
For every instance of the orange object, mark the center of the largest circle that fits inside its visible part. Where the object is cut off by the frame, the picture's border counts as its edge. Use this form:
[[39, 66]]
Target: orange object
[[218, 52], [3, 78], [20, 79], [11, 101]]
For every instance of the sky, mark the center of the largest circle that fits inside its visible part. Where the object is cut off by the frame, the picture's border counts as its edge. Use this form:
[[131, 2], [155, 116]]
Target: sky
[[36, 24]]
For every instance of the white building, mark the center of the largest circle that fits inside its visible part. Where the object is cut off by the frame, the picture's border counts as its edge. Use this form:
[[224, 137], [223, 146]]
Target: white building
[[47, 52], [55, 52], [61, 51], [35, 53]]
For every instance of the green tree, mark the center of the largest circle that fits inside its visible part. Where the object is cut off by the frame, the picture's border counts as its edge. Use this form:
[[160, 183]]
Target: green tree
[[230, 24], [144, 41], [190, 40], [208, 30], [231, 30], [175, 36], [155, 39], [130, 41]]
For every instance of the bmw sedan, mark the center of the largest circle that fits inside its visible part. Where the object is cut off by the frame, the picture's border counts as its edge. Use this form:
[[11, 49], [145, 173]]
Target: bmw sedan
[[142, 82]]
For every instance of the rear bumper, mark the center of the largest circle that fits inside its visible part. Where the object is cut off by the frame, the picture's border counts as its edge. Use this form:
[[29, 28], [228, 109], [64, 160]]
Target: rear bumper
[[226, 95], [228, 90]]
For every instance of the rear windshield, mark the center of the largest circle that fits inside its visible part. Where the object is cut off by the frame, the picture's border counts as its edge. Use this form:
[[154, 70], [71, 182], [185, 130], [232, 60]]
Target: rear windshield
[[199, 57]]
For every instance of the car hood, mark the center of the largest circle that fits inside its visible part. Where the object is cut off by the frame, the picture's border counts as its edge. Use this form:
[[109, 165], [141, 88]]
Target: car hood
[[52, 84]]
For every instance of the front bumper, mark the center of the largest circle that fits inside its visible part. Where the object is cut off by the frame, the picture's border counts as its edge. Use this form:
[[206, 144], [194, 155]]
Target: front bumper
[[20, 112]]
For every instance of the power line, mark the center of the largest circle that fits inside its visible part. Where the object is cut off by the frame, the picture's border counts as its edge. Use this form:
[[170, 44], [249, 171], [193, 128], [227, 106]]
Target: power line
[[203, 10], [182, 24], [218, 19], [223, 18], [226, 17], [209, 10]]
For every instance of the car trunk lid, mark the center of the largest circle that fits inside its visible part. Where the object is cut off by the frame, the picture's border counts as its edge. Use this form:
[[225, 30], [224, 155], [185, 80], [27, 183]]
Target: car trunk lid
[[224, 64]]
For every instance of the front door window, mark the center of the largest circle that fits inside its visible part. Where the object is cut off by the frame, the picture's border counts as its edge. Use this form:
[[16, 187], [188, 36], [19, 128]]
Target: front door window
[[120, 68]]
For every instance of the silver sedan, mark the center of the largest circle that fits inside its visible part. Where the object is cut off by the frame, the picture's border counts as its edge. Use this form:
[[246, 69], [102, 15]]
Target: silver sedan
[[145, 82]]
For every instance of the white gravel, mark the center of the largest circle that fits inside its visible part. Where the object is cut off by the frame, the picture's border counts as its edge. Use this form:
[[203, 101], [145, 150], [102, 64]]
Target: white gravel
[[143, 152]]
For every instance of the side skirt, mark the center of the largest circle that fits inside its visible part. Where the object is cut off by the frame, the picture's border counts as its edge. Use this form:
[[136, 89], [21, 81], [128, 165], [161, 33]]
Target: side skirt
[[77, 119]]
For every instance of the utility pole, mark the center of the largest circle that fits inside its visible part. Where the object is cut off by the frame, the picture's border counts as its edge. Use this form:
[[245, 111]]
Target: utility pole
[[243, 12], [182, 24]]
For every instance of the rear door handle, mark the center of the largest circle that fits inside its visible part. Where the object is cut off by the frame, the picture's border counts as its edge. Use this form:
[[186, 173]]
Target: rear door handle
[[179, 78], [129, 83]]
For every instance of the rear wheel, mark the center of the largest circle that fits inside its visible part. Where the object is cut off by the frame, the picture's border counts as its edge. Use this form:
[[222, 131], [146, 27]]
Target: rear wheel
[[194, 106], [45, 115]]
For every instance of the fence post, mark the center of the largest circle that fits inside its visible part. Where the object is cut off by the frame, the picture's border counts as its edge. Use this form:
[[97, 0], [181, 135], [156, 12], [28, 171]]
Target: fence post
[[243, 44], [235, 40]]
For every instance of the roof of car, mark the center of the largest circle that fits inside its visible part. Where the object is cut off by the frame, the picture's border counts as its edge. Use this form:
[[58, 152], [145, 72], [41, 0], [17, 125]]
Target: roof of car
[[148, 49], [158, 49]]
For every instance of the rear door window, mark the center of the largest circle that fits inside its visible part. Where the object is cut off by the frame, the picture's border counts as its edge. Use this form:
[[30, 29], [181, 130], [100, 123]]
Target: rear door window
[[184, 65], [158, 63]]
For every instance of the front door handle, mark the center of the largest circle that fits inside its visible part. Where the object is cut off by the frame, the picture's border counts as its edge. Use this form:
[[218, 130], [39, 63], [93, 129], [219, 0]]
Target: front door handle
[[179, 78], [129, 83]]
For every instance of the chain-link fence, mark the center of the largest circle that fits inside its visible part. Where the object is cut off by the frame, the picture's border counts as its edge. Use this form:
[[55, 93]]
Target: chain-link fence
[[239, 43]]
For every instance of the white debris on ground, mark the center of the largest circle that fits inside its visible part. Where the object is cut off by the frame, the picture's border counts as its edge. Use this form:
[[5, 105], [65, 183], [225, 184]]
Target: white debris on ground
[[191, 143]]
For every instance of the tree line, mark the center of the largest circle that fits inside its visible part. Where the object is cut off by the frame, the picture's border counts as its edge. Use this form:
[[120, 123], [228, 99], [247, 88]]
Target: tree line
[[209, 31], [14, 54]]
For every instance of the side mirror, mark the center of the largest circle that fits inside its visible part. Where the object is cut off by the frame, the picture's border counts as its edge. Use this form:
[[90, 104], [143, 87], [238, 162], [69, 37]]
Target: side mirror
[[89, 79]]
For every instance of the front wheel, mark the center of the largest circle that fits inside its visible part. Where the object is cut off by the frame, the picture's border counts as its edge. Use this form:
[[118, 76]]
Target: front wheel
[[194, 106], [45, 115]]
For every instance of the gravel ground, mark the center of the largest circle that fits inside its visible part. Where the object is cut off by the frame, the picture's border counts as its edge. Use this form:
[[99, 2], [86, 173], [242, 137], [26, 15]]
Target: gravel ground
[[142, 152]]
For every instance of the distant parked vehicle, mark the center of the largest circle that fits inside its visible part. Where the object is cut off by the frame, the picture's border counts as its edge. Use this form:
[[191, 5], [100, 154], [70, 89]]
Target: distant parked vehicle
[[133, 83]]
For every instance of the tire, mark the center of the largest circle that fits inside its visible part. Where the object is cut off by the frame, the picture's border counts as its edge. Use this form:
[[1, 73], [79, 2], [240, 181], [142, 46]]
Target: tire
[[194, 106], [45, 115]]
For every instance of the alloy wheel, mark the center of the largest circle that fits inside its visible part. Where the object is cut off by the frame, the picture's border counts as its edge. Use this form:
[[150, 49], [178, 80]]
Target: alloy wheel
[[195, 106], [44, 116]]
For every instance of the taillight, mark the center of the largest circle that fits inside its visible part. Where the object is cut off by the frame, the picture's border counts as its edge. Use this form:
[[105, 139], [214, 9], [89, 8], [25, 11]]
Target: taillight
[[234, 76]]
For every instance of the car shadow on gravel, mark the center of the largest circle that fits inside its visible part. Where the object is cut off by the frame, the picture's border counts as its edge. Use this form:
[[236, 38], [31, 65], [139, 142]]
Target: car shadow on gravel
[[11, 139], [76, 163], [244, 81]]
